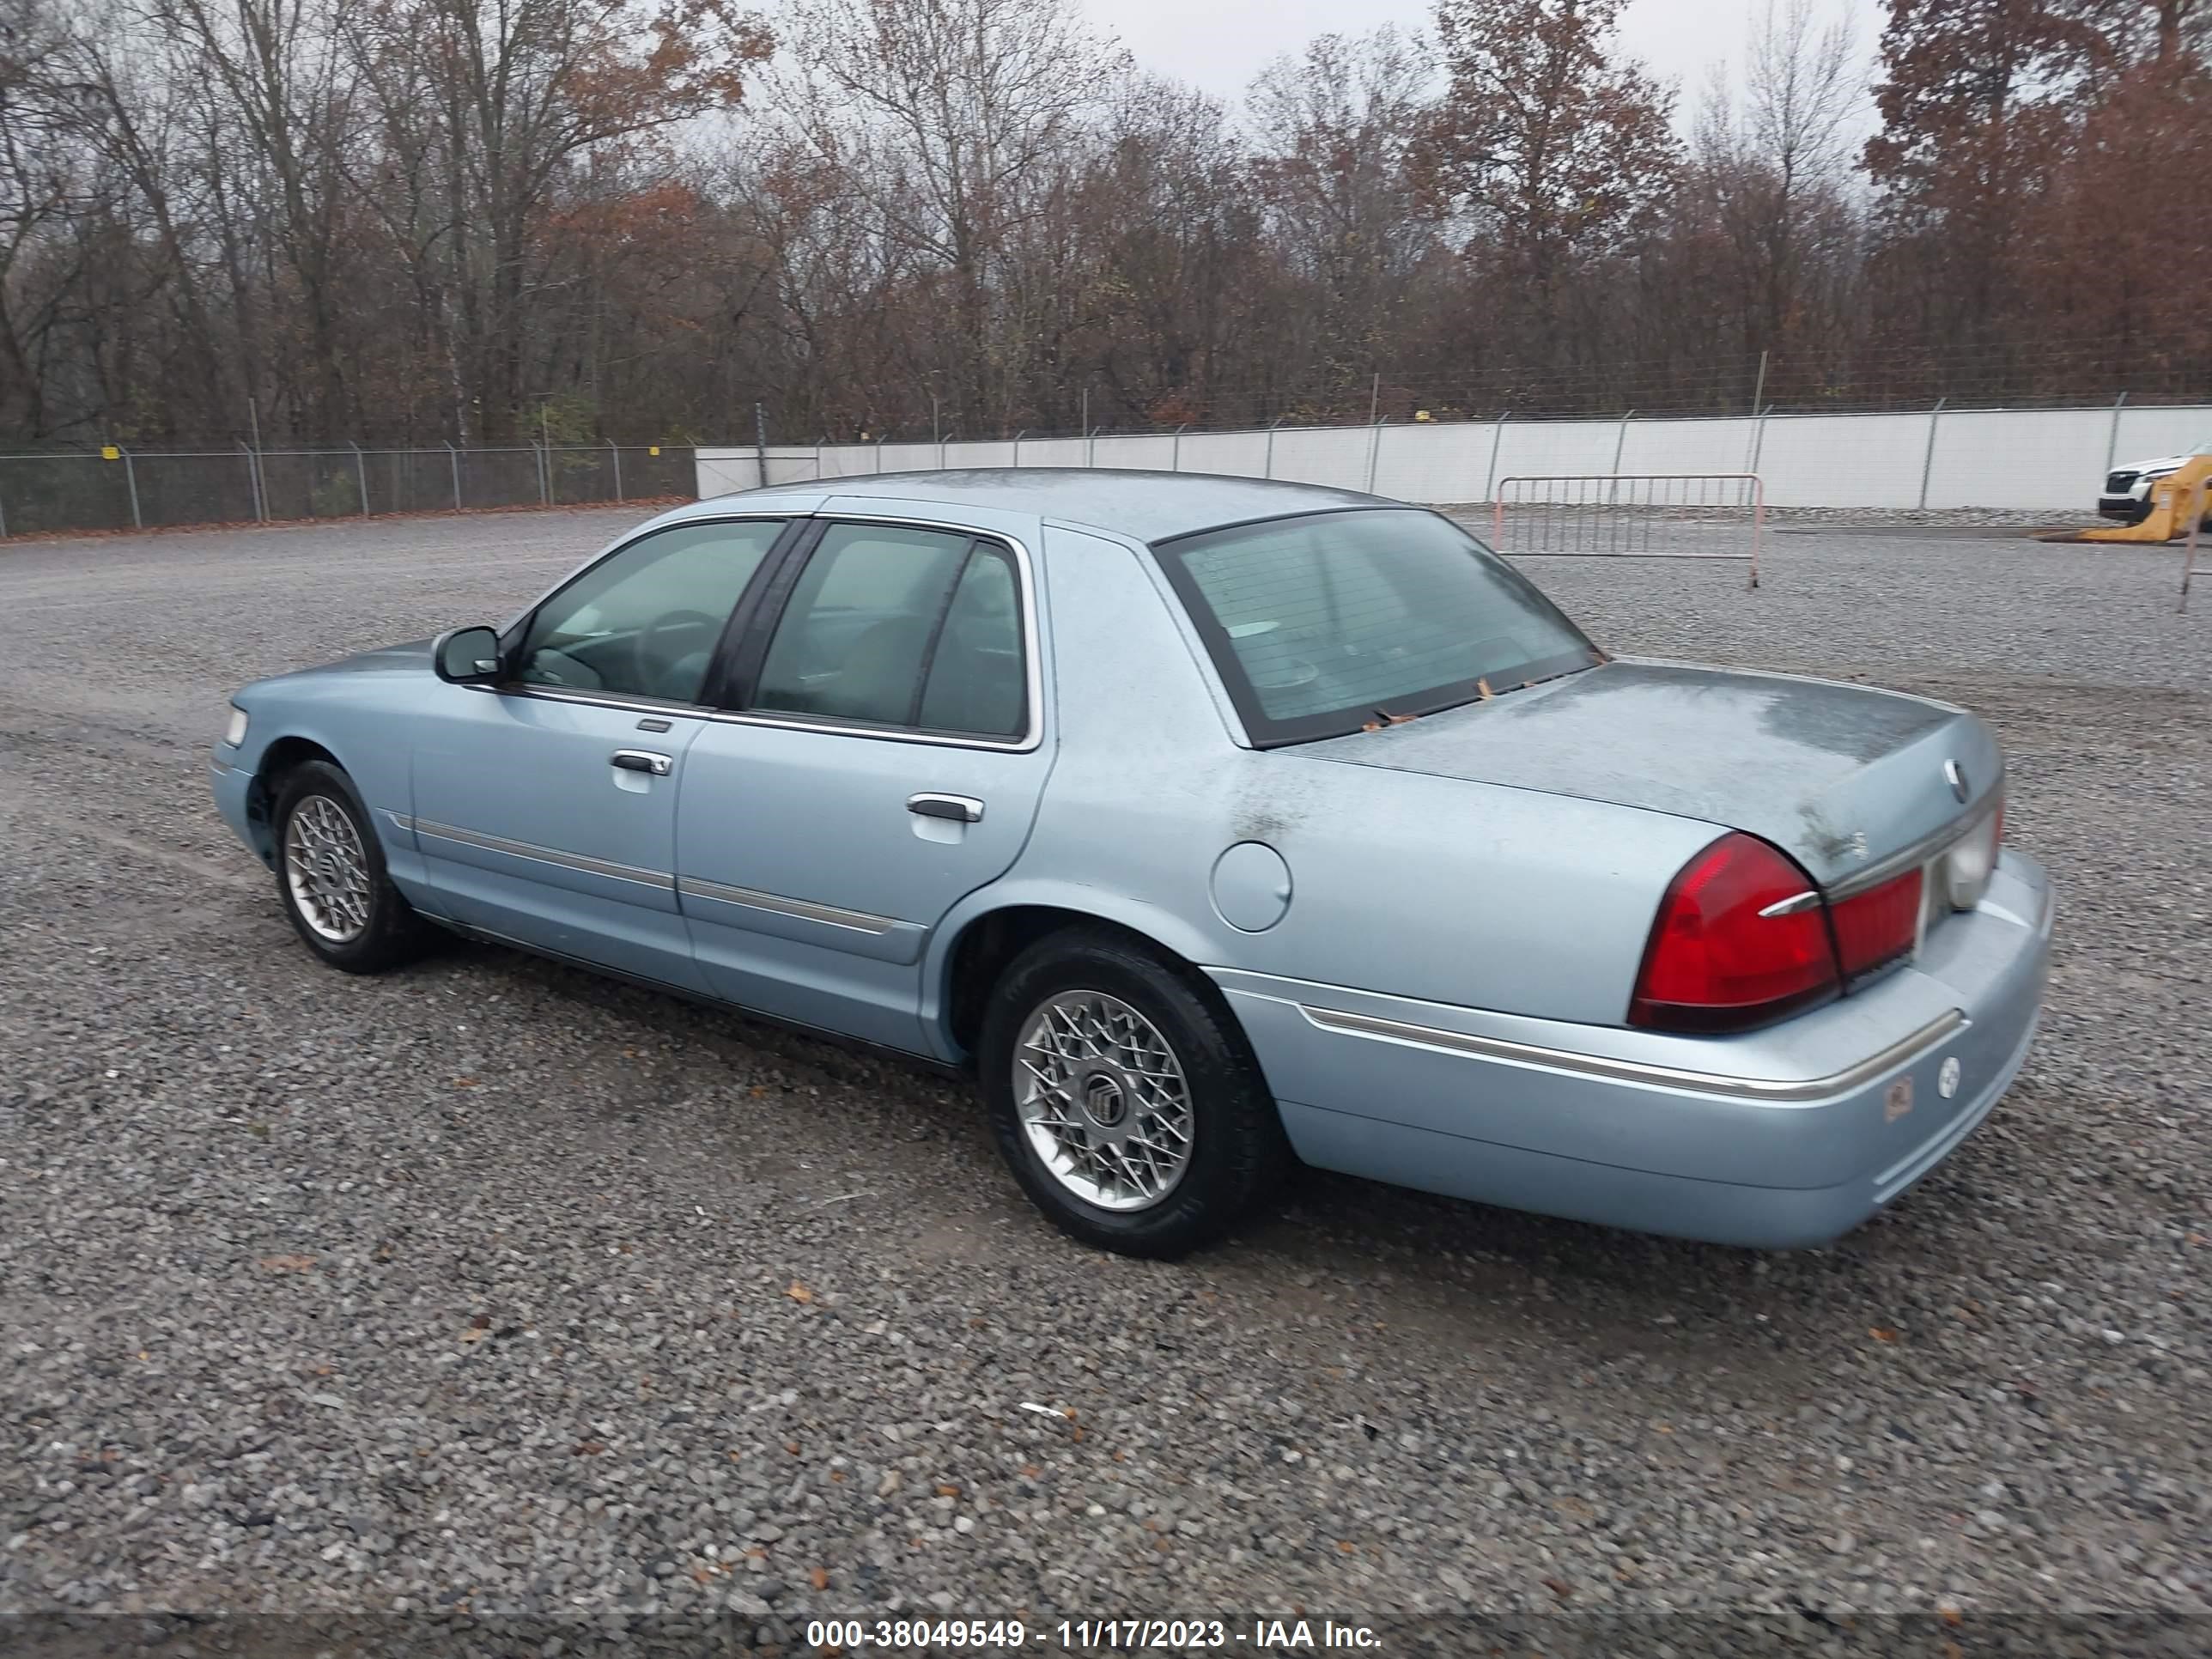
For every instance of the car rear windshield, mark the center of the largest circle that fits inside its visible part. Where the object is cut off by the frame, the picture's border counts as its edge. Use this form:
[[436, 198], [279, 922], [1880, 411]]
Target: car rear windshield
[[1327, 622]]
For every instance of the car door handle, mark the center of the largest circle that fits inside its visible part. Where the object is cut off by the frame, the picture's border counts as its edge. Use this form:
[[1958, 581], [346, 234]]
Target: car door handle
[[961, 809], [642, 760]]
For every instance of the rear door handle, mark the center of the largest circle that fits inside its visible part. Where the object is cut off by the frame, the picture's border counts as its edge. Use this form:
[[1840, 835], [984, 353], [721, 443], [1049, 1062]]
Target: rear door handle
[[642, 760], [961, 809]]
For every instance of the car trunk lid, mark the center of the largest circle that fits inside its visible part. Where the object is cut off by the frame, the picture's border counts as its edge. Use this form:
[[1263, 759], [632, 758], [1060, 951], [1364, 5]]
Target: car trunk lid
[[1845, 779]]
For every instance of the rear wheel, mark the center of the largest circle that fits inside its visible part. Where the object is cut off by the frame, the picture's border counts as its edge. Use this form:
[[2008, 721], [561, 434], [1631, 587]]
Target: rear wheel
[[1124, 1098], [330, 877]]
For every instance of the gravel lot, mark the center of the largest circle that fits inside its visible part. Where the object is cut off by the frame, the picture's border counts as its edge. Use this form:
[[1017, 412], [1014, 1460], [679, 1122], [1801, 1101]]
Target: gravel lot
[[491, 1307]]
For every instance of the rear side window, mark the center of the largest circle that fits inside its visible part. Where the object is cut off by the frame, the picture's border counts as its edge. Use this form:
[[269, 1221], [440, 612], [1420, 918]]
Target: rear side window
[[899, 627], [1323, 623]]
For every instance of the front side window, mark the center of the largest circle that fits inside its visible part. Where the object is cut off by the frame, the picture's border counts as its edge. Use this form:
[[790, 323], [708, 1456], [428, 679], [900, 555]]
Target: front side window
[[1323, 623], [914, 628], [644, 622]]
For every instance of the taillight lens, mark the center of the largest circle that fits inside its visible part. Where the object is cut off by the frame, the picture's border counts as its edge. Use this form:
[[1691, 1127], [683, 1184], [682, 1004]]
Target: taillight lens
[[1875, 927], [1741, 939]]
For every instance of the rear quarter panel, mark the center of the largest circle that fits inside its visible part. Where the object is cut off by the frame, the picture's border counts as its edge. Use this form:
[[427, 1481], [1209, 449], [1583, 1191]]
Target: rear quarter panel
[[1419, 886]]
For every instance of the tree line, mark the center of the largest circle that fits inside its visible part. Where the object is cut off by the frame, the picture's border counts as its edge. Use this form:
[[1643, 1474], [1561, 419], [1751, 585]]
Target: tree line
[[417, 221]]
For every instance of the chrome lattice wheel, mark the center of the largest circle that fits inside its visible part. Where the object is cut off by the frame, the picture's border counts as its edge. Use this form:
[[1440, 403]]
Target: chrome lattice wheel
[[327, 870], [1102, 1100]]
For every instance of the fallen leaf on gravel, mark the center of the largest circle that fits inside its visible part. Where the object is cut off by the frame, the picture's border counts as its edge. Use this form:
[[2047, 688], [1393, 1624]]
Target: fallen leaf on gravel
[[465, 1083], [590, 1448], [792, 1446], [945, 1489], [474, 1333], [1951, 1615], [1564, 1591], [798, 1292], [819, 1578], [287, 1264], [1881, 1334], [1031, 1471], [481, 1322], [1346, 1547]]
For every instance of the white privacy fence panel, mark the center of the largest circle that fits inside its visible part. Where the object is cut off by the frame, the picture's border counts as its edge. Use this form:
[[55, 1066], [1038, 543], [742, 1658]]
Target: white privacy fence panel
[[1539, 447], [1237, 454], [2037, 460], [2007, 457], [792, 466], [1841, 460], [1156, 451], [907, 458], [725, 471], [1430, 463], [1687, 446], [1335, 456], [2140, 434], [850, 460], [1052, 451]]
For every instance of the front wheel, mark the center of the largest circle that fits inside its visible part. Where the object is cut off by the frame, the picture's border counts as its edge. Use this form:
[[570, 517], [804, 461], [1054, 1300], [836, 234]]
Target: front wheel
[[1125, 1098], [330, 877]]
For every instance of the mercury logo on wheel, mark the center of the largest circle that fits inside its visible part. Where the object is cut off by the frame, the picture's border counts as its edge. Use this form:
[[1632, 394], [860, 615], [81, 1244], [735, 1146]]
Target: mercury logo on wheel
[[1103, 1100]]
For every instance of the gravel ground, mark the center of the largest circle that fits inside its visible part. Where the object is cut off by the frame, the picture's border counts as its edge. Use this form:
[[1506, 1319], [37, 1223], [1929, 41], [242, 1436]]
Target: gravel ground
[[490, 1308]]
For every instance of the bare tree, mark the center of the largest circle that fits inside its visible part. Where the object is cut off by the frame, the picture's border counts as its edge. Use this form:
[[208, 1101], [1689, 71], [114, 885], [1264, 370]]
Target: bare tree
[[949, 118], [1773, 170], [1337, 128]]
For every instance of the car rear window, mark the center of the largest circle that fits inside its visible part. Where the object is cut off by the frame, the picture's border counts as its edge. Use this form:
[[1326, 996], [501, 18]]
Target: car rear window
[[1325, 623]]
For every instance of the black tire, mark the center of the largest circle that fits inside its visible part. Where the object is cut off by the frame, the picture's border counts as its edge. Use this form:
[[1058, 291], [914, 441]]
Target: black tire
[[1238, 1154], [393, 934]]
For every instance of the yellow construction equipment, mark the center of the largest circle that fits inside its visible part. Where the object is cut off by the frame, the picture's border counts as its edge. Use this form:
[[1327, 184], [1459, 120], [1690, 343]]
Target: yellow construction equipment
[[2175, 501]]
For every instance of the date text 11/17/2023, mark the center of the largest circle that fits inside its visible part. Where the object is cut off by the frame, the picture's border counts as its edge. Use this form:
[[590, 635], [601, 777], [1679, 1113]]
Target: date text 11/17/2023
[[1256, 1636]]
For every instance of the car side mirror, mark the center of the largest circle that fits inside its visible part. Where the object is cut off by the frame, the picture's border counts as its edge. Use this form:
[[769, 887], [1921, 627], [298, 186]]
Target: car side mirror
[[466, 656]]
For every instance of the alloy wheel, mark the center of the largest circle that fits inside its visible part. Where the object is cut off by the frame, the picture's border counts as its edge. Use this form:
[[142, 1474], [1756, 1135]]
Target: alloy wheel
[[1102, 1100], [327, 870]]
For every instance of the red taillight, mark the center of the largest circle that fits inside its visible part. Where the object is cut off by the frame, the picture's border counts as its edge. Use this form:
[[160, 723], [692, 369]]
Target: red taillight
[[1741, 939], [1878, 926]]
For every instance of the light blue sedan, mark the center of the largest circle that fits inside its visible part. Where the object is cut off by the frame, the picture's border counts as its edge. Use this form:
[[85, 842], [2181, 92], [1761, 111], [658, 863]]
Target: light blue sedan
[[1209, 824]]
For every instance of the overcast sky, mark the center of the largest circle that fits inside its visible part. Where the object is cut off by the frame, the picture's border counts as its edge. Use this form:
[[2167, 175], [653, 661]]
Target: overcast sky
[[1221, 44]]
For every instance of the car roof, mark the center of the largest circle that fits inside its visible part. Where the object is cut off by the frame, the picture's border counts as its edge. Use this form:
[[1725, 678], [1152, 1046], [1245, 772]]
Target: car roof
[[1148, 507]]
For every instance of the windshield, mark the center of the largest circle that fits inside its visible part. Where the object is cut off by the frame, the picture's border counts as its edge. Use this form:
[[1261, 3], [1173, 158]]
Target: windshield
[[1327, 622]]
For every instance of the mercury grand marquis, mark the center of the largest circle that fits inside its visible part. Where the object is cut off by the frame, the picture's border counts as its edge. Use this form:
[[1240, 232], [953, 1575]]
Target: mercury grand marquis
[[1209, 824]]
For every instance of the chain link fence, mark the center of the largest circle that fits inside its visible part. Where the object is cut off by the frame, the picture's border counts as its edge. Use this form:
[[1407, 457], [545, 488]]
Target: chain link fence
[[118, 488]]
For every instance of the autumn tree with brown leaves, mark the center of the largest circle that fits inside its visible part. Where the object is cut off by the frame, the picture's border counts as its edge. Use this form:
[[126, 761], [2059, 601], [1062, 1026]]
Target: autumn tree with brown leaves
[[1553, 153]]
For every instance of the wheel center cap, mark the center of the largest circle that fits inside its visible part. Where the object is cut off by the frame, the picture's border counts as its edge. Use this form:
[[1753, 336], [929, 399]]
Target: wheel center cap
[[1103, 1100]]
